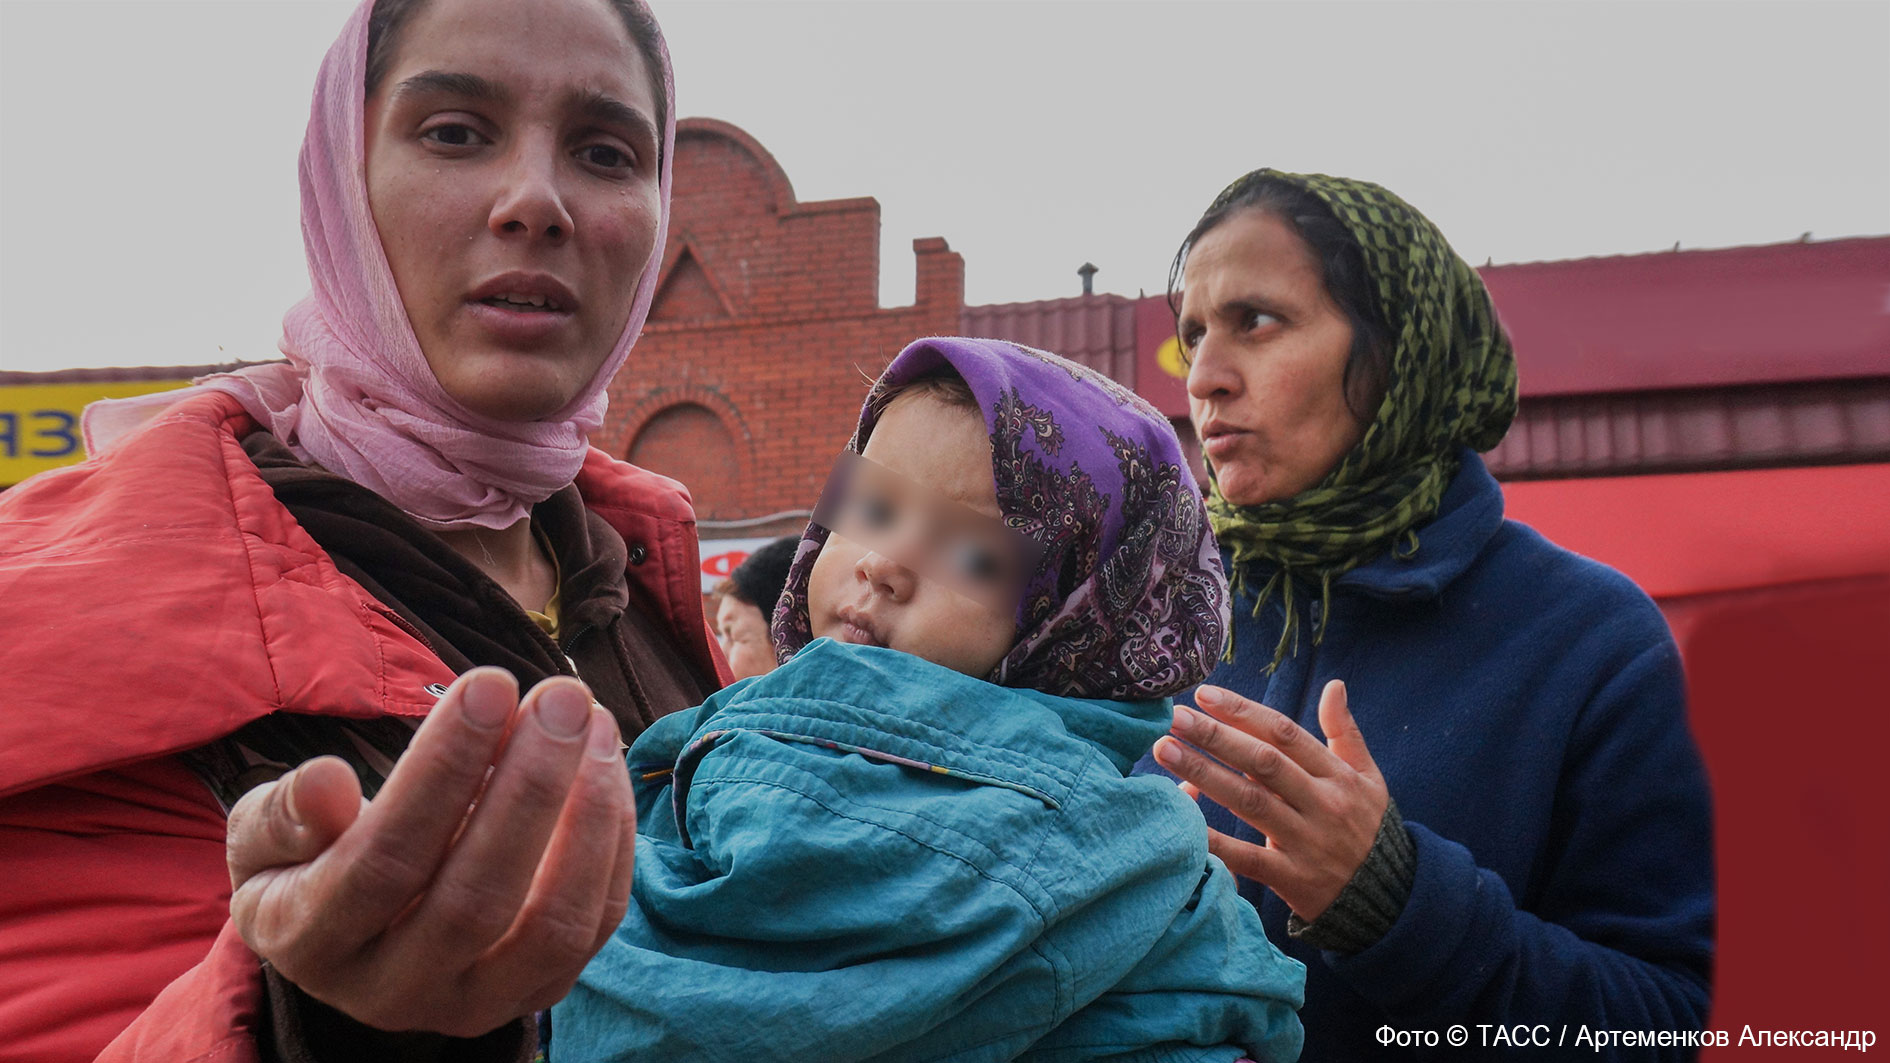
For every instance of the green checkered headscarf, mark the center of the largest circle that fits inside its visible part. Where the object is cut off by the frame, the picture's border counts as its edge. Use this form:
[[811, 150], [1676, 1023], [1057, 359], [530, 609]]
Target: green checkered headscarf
[[1452, 381]]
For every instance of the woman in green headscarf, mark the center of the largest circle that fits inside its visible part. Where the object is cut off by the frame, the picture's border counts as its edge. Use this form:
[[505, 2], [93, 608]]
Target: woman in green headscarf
[[1527, 839]]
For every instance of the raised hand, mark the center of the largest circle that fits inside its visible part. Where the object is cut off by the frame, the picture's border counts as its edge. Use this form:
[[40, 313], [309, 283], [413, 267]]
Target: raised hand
[[1319, 804], [475, 886]]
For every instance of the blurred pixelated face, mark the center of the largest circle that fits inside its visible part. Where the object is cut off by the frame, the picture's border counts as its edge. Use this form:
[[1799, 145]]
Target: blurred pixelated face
[[513, 176], [743, 632], [1267, 347], [918, 558]]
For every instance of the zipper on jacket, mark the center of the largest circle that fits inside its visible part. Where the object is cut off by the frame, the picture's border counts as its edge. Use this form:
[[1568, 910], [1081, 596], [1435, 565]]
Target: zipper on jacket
[[406, 625], [571, 640]]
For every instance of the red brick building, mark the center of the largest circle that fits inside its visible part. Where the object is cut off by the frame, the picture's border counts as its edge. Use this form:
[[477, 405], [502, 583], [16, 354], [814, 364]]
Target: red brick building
[[765, 332]]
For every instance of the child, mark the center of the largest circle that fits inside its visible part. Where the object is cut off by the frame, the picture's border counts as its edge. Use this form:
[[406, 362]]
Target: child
[[917, 838]]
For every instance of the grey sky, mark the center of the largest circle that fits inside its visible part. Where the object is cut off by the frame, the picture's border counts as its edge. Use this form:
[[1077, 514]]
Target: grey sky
[[147, 149]]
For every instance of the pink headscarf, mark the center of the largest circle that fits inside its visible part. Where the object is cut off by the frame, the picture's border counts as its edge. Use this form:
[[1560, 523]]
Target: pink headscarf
[[357, 395]]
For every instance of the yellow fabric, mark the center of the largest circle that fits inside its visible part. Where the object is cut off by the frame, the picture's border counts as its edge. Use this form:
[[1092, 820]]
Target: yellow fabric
[[548, 620]]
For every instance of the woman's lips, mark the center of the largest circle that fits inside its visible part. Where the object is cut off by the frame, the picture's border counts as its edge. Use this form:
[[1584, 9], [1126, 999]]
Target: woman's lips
[[516, 325], [522, 308], [1223, 443]]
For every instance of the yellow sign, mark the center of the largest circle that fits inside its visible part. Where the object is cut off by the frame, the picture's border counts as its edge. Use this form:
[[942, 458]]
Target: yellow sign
[[39, 423], [1168, 356]]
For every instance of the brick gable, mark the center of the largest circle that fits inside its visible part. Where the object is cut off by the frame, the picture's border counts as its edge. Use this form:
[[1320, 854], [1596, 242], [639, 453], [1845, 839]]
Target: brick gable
[[765, 331]]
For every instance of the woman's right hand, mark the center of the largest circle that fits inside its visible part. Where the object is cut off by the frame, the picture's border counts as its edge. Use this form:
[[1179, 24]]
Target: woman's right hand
[[1319, 804], [472, 890]]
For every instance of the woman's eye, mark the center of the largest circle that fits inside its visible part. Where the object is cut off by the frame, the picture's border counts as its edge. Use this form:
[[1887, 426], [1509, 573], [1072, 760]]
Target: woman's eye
[[454, 135], [1189, 339], [1259, 319], [606, 156]]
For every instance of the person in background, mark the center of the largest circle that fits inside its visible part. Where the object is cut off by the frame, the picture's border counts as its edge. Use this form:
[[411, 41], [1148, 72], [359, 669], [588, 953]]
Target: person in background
[[747, 600], [1498, 816], [289, 568]]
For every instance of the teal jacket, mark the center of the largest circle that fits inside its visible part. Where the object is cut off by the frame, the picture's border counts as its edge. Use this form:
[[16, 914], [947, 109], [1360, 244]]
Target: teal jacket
[[865, 856]]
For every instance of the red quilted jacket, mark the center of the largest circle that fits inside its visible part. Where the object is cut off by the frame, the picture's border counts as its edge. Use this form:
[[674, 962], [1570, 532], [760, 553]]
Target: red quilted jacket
[[152, 600]]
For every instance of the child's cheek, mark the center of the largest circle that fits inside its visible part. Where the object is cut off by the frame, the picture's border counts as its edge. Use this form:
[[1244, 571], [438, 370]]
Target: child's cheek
[[827, 582]]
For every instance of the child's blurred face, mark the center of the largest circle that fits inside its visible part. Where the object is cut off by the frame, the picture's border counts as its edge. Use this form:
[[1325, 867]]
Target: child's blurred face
[[861, 595]]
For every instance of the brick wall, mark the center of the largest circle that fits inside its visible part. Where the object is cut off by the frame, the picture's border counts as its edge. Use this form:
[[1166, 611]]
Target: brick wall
[[765, 331]]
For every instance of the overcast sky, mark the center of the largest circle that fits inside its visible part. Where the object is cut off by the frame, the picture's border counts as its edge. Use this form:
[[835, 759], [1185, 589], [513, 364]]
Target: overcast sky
[[147, 149]]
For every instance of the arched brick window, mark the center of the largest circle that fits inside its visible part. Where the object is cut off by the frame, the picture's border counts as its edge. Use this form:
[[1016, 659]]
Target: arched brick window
[[688, 442]]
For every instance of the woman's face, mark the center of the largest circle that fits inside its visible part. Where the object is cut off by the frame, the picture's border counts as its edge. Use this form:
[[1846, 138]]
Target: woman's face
[[512, 172], [861, 595], [1268, 347], [743, 632]]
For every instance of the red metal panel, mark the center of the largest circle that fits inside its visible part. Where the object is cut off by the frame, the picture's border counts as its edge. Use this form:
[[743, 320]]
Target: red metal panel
[[1690, 319], [1161, 376], [1777, 585], [1706, 429], [1095, 330], [1789, 707], [1702, 533]]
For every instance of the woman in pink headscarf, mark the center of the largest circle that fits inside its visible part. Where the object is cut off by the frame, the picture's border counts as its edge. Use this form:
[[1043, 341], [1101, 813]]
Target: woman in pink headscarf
[[226, 628]]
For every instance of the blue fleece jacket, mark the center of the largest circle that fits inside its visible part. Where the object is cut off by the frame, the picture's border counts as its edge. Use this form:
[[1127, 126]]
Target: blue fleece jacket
[[1526, 707], [865, 856]]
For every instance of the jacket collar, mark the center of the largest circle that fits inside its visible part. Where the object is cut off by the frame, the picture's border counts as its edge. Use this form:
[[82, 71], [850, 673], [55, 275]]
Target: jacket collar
[[1470, 514], [899, 692]]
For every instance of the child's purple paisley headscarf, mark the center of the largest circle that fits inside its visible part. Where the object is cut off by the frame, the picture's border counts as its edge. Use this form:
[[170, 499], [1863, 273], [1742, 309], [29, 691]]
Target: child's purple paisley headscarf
[[1130, 601]]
